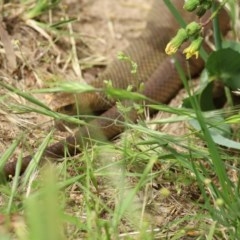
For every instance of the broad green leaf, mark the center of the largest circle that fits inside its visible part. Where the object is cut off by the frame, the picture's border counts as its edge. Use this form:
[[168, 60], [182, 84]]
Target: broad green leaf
[[224, 65], [219, 131], [205, 98], [233, 45]]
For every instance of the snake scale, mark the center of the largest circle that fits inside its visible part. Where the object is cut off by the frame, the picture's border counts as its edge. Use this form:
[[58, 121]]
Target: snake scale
[[155, 70]]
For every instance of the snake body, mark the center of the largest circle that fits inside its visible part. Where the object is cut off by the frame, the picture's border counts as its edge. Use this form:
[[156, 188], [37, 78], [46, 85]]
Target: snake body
[[155, 70]]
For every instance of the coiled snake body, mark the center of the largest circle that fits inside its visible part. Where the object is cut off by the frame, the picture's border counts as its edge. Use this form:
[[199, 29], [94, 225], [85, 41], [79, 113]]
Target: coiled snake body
[[155, 70]]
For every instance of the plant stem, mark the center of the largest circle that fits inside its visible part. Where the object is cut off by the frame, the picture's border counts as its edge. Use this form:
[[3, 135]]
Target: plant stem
[[216, 29]]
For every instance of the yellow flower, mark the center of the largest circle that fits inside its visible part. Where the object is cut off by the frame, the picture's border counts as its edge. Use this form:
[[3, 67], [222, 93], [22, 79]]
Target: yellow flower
[[193, 49], [176, 42], [171, 48]]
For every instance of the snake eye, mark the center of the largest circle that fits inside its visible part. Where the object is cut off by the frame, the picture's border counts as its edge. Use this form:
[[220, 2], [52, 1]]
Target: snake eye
[[68, 108]]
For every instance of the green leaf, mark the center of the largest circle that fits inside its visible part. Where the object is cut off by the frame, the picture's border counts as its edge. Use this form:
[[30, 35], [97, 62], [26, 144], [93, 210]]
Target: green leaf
[[122, 94], [226, 142], [232, 44], [67, 87], [204, 94], [215, 124], [205, 98], [224, 65], [219, 131]]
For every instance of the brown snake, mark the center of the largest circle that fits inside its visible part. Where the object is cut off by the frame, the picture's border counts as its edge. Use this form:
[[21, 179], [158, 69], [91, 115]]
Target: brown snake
[[155, 70]]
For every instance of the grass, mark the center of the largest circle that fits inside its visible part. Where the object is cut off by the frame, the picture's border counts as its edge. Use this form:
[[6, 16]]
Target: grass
[[149, 184]]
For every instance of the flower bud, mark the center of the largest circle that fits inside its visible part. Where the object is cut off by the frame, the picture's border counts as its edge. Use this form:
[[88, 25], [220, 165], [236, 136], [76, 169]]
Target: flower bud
[[201, 9], [193, 29], [219, 202], [191, 5], [193, 48], [176, 42]]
